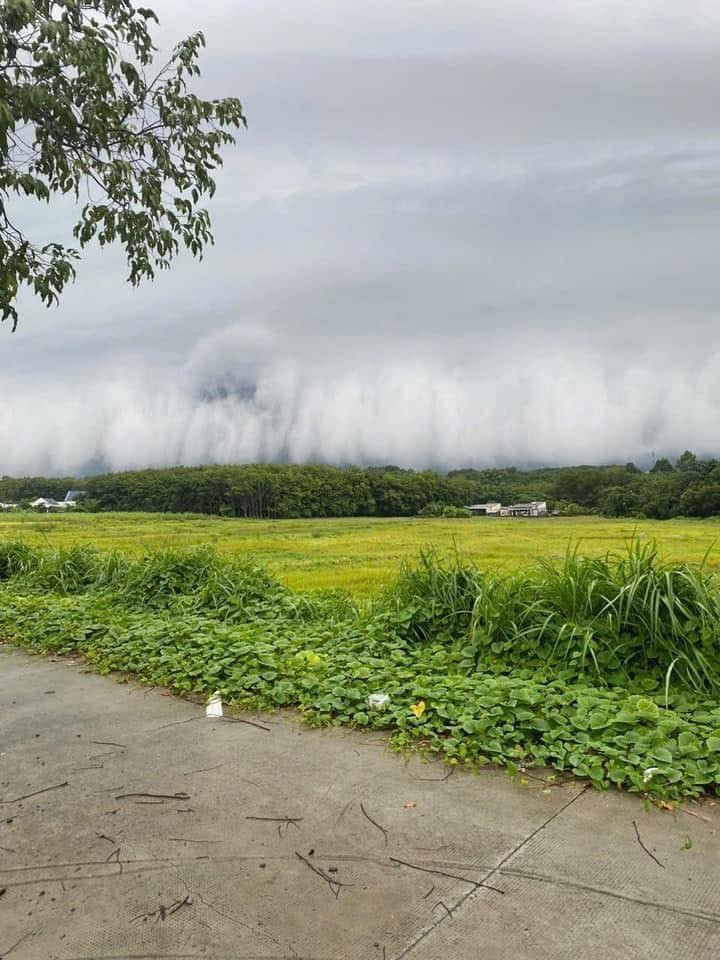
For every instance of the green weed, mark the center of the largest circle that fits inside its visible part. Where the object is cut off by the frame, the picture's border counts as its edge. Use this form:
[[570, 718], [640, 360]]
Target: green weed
[[601, 667]]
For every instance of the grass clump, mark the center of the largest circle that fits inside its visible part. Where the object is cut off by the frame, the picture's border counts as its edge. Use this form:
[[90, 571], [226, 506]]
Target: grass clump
[[629, 619], [604, 667]]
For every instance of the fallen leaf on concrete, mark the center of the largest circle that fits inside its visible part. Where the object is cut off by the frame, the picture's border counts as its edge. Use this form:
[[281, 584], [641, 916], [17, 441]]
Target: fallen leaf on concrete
[[409, 805]]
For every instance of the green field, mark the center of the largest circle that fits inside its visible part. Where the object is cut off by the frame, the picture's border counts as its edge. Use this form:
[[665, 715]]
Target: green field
[[360, 554]]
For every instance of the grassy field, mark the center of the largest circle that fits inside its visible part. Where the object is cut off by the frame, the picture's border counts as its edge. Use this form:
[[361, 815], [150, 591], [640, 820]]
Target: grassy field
[[361, 554]]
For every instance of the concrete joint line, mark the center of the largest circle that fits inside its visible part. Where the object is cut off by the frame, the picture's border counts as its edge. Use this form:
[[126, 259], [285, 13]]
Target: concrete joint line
[[498, 867]]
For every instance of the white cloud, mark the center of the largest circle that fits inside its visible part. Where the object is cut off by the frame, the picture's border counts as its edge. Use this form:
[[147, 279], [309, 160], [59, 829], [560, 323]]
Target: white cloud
[[517, 403]]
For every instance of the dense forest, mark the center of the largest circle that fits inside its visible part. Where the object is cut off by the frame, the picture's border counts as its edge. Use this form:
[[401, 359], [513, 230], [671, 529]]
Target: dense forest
[[689, 487]]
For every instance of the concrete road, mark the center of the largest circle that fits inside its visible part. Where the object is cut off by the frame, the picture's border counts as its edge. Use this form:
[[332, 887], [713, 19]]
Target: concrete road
[[133, 827]]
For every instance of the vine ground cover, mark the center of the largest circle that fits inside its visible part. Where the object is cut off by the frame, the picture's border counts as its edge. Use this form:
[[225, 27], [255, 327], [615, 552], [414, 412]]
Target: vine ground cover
[[605, 668]]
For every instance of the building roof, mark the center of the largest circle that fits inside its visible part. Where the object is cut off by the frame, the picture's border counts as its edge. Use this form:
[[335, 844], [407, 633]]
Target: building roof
[[495, 507]]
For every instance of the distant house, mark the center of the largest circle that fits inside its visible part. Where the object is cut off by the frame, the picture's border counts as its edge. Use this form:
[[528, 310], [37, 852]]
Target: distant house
[[8, 506], [535, 508], [49, 503], [485, 509]]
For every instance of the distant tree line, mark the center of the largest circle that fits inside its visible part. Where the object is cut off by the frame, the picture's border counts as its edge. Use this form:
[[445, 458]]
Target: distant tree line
[[689, 487]]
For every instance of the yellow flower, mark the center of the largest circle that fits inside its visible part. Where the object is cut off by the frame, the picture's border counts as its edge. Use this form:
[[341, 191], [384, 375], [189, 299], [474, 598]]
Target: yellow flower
[[418, 708], [310, 658]]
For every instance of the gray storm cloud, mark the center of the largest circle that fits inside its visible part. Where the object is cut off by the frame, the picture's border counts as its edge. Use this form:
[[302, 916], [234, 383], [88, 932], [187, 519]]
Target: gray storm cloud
[[456, 233], [549, 407]]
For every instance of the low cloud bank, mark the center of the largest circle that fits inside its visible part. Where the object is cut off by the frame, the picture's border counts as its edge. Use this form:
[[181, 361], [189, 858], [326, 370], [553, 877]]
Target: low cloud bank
[[238, 398]]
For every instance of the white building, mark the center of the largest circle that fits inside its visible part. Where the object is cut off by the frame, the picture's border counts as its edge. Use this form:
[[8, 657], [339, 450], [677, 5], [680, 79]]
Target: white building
[[49, 503], [485, 509], [535, 508]]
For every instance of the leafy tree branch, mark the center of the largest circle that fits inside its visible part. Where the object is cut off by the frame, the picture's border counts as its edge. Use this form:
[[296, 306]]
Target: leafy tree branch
[[82, 105]]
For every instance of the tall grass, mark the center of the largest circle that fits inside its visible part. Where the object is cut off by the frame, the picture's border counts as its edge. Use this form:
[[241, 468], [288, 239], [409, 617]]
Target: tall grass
[[179, 581], [622, 618], [432, 598]]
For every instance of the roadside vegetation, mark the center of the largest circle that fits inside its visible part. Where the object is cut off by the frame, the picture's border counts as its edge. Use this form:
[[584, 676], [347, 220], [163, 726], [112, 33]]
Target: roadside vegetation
[[606, 668]]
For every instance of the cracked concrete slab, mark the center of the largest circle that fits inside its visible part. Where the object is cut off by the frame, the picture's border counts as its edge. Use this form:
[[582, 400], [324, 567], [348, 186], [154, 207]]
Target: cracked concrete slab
[[162, 834]]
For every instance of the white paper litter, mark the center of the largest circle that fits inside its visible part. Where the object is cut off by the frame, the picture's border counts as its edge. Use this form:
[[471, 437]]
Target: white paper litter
[[214, 706], [378, 701]]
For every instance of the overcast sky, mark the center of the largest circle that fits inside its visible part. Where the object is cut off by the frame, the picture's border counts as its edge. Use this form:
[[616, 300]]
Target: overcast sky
[[457, 232]]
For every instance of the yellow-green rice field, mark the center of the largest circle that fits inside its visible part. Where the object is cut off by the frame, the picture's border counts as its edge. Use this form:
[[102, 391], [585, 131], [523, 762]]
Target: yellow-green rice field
[[361, 554]]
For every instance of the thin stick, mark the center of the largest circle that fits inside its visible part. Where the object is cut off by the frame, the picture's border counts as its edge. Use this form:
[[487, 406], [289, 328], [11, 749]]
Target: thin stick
[[691, 813], [176, 906], [175, 723], [333, 884], [320, 873], [251, 723], [429, 892], [286, 820], [450, 876], [447, 909], [108, 743], [188, 840], [26, 796], [155, 796], [17, 943], [444, 779], [202, 770], [374, 823], [648, 852], [163, 912]]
